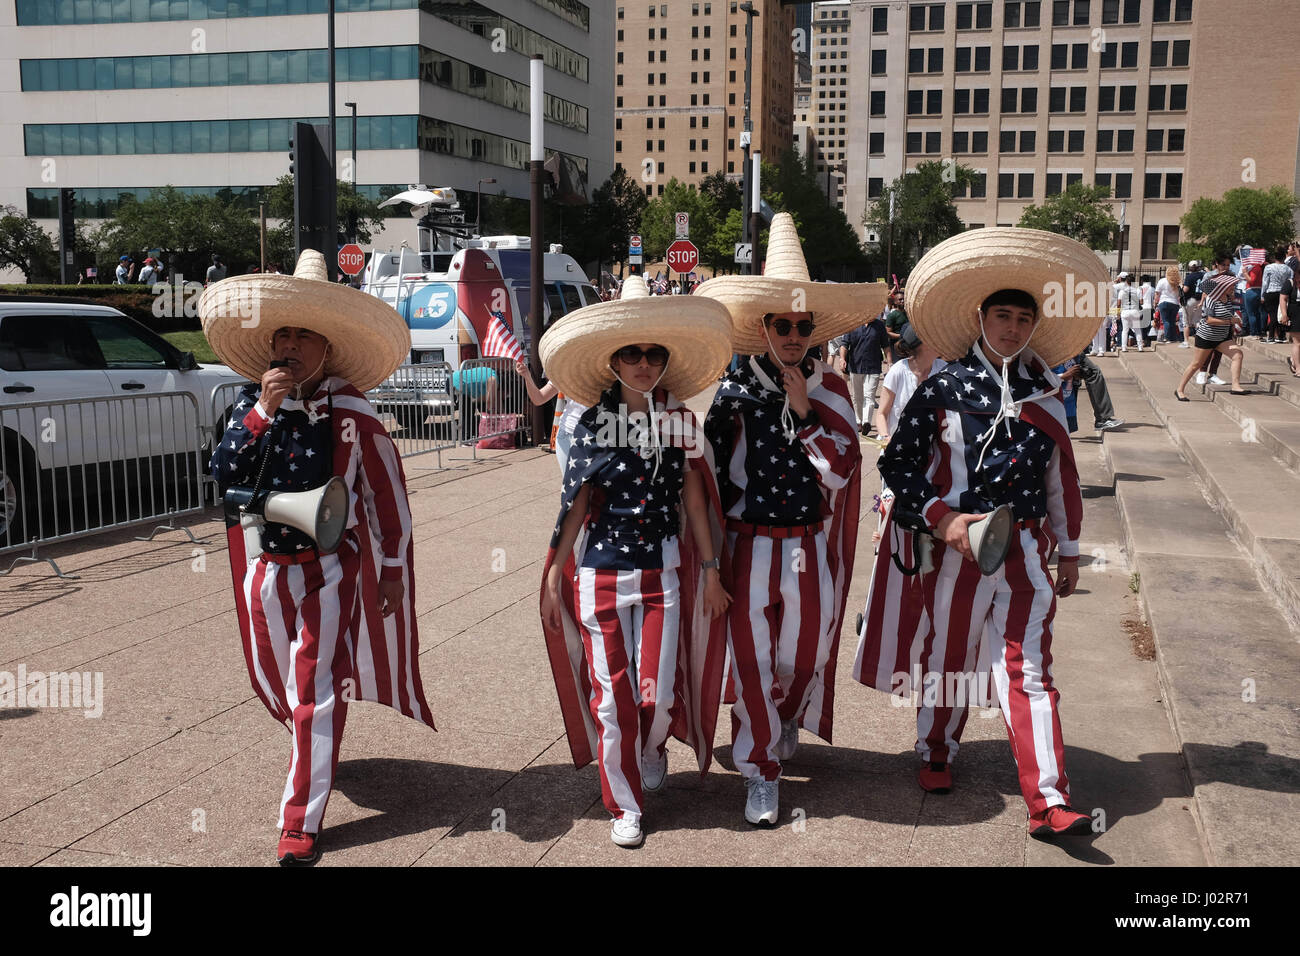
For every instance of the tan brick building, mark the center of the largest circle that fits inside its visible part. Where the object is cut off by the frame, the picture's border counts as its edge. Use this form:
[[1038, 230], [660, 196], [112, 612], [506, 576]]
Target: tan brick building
[[679, 95], [1162, 100]]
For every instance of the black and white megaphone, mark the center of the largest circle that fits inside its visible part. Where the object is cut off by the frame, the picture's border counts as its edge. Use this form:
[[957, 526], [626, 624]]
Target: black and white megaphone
[[321, 513], [990, 540]]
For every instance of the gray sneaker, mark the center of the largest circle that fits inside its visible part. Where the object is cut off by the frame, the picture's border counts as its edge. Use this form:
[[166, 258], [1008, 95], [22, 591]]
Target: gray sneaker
[[789, 742], [761, 802], [1109, 423]]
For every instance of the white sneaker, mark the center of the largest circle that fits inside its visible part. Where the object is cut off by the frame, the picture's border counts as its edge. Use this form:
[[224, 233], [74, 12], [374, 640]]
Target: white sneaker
[[654, 773], [626, 831], [1200, 378], [789, 742], [1183, 345], [1215, 380], [761, 802]]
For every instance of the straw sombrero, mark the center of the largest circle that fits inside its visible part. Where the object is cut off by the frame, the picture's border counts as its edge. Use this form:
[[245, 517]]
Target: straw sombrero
[[785, 286], [241, 313], [575, 351], [1065, 277]]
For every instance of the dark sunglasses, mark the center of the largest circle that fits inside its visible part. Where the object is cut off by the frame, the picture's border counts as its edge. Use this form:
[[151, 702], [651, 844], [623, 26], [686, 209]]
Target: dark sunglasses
[[783, 327], [655, 355]]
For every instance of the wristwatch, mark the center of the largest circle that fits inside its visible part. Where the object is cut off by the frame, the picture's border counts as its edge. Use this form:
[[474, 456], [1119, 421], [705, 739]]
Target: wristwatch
[[713, 563]]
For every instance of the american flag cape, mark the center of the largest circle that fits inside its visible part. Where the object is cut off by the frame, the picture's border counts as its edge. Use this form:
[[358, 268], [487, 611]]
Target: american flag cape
[[701, 641], [895, 625], [829, 397], [385, 651], [500, 341]]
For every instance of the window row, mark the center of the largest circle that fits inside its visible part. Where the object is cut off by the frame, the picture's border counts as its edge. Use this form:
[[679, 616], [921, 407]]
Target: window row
[[930, 16], [103, 202], [1025, 141]]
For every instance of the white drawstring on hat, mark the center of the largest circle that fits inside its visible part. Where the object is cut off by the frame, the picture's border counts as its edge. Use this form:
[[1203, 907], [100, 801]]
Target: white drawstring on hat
[[787, 416], [1008, 407], [655, 445]]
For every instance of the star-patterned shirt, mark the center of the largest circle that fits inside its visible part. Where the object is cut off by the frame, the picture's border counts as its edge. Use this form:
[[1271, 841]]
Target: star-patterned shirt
[[763, 477], [933, 464], [300, 458], [632, 509]]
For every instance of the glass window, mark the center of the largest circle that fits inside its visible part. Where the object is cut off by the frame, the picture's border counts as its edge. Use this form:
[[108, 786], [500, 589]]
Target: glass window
[[1151, 189], [1027, 138], [1081, 13], [916, 60], [277, 66], [933, 102], [913, 142], [879, 19], [1156, 98], [1053, 184], [162, 137], [1006, 185], [964, 16], [237, 136], [1078, 99], [1160, 53], [977, 184], [915, 102], [1056, 140], [935, 60], [1127, 99], [1009, 100], [979, 142], [1178, 96], [1007, 141], [1056, 100], [961, 101], [1182, 52], [1025, 186], [1029, 100], [1011, 58], [1078, 56], [983, 57], [1060, 55], [876, 143], [1155, 140], [1060, 13], [1176, 140], [1110, 56], [1076, 141], [877, 102], [1128, 55], [1105, 140], [960, 141], [878, 62], [962, 59], [1124, 141], [1106, 99], [980, 102], [1029, 58], [1171, 240], [1123, 185]]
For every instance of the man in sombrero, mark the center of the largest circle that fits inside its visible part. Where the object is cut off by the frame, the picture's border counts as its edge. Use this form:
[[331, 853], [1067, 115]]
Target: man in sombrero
[[632, 597], [787, 452], [319, 629], [1003, 306]]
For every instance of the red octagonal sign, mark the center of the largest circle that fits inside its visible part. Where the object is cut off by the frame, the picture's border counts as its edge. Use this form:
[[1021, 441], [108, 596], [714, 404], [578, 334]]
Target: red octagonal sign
[[683, 256], [351, 258]]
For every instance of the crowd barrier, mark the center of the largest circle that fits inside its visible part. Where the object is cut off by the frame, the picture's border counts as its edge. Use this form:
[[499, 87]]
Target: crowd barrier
[[84, 466]]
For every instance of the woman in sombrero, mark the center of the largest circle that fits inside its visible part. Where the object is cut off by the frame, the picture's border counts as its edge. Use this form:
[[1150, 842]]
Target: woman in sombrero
[[632, 592], [1003, 305], [319, 629]]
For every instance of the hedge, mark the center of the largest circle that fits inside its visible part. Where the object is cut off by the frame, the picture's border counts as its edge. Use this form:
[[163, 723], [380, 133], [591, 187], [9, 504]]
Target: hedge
[[136, 300]]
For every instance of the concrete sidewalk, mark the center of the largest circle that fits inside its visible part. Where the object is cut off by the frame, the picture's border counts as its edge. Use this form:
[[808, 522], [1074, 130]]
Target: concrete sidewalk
[[185, 766]]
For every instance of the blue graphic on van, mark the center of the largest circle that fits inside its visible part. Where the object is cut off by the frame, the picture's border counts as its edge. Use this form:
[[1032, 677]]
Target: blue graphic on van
[[430, 306]]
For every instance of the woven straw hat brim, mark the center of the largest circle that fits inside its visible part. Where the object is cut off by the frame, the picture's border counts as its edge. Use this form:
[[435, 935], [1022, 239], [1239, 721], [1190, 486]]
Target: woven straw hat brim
[[575, 351], [836, 307], [241, 313], [1070, 284]]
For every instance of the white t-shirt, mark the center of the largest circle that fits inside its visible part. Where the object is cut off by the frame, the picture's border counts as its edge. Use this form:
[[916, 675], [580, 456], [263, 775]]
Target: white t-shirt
[[902, 381], [569, 418], [1148, 295], [1167, 291], [1129, 298]]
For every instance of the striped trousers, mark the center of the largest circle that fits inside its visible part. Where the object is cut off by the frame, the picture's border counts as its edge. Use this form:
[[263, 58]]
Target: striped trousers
[[1012, 611], [301, 617], [629, 622], [779, 635]]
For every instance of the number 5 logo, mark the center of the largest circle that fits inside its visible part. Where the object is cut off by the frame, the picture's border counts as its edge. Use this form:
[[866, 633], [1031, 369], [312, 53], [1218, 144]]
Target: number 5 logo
[[438, 304]]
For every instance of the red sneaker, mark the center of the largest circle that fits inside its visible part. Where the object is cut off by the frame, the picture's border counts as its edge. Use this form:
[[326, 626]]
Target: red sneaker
[[935, 777], [297, 848], [1059, 821]]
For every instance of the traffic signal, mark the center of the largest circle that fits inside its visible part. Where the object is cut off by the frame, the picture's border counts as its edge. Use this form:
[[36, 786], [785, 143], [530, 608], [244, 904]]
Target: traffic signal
[[67, 236]]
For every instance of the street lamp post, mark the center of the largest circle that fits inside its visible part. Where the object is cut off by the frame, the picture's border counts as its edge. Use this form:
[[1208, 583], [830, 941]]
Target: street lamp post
[[478, 207], [352, 233], [747, 133]]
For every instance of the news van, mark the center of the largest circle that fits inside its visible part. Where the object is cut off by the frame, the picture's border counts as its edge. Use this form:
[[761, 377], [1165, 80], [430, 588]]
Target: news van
[[450, 288]]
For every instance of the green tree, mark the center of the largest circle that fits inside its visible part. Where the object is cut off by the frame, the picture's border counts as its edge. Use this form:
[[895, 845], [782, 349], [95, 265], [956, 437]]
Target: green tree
[[280, 247], [724, 193], [658, 227], [1256, 217], [25, 246], [924, 213], [613, 216], [1080, 212], [186, 228], [830, 243]]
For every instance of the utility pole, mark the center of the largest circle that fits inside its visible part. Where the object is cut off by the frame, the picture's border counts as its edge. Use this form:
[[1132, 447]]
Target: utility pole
[[331, 241], [747, 133], [352, 216]]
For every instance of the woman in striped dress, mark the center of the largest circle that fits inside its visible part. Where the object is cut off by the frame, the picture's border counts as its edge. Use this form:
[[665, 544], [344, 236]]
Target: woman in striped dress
[[1214, 330]]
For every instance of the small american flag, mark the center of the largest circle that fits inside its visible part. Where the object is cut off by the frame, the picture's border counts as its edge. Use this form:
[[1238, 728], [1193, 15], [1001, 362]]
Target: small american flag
[[501, 342], [1252, 257]]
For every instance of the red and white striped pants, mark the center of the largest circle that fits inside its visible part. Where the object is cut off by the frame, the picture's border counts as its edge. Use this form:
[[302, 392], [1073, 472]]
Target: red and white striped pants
[[779, 634], [629, 622], [301, 616], [1012, 611]]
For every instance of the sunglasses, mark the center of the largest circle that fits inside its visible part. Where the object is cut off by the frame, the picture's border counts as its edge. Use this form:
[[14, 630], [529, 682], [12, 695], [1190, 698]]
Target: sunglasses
[[655, 355], [783, 327]]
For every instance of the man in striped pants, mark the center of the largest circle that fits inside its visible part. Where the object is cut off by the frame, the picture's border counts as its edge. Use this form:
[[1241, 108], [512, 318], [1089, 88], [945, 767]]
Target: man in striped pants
[[787, 453]]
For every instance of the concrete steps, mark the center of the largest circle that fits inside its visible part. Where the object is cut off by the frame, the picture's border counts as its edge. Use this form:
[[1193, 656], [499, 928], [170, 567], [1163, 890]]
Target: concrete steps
[[1229, 663], [1245, 450]]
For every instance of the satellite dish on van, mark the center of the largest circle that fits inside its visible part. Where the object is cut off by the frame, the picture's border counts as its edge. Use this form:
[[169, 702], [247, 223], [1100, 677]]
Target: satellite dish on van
[[423, 200]]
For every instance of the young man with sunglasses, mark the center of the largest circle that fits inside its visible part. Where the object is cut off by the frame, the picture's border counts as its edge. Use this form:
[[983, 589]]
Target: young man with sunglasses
[[784, 441]]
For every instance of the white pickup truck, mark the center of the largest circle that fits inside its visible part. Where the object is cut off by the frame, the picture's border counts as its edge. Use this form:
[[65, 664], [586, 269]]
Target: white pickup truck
[[57, 352]]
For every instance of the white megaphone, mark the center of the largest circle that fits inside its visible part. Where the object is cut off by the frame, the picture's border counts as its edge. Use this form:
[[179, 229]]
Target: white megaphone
[[990, 538], [321, 513]]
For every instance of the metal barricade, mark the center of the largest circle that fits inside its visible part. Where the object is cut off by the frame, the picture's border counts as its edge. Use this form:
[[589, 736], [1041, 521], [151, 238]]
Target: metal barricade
[[493, 405], [418, 405], [82, 466]]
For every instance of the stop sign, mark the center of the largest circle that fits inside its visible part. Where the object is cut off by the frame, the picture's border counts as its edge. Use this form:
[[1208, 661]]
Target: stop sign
[[683, 256], [351, 259]]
